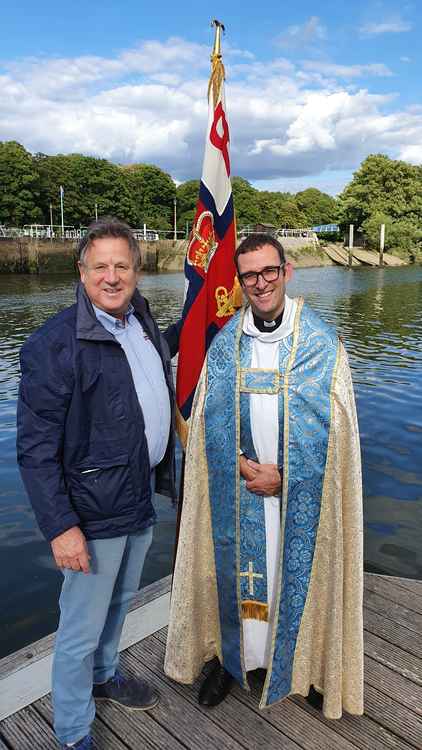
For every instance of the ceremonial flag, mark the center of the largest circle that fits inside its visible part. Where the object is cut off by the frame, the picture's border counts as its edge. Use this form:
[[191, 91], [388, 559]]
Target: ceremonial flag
[[213, 292]]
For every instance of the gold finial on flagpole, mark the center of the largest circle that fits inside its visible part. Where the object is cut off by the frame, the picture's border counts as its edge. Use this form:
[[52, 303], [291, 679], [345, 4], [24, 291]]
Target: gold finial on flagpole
[[219, 27], [217, 68]]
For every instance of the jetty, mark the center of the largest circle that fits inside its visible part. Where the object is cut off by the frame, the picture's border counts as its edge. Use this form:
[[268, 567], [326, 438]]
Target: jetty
[[393, 690], [360, 257], [371, 258], [340, 255]]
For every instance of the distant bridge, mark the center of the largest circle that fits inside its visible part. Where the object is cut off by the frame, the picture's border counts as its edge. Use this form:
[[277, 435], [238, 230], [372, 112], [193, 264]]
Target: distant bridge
[[326, 228]]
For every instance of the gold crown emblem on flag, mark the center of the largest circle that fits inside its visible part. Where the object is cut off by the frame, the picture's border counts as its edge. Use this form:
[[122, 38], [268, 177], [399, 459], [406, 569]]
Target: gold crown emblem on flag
[[203, 244]]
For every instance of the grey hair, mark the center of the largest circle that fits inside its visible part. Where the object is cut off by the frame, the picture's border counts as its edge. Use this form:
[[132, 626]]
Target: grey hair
[[109, 226]]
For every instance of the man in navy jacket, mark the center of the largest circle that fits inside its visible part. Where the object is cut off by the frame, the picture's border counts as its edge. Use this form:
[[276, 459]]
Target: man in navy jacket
[[95, 437]]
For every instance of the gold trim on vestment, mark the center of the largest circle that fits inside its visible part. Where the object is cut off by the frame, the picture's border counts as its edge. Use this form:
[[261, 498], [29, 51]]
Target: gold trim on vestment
[[237, 417], [182, 428], [331, 623], [284, 496], [252, 610], [275, 388]]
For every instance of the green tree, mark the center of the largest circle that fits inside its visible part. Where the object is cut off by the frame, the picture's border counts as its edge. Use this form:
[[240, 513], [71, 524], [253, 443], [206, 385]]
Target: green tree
[[385, 191], [19, 186], [318, 207], [187, 198], [382, 185], [152, 192], [245, 202], [402, 237], [86, 181], [279, 209]]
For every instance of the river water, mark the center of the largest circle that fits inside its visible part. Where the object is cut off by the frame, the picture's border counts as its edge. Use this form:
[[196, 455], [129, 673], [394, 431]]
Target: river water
[[379, 314]]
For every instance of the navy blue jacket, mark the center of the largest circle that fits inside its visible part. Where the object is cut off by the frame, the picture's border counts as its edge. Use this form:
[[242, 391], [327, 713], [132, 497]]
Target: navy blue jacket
[[78, 410]]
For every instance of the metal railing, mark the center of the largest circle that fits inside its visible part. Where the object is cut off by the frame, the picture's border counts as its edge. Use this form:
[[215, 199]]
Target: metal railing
[[50, 232], [281, 232]]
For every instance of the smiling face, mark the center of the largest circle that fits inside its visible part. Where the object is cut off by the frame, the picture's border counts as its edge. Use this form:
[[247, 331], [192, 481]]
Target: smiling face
[[108, 275], [266, 298]]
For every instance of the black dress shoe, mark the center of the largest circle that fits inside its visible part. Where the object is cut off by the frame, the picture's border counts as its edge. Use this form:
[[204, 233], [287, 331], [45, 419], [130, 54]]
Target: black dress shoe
[[215, 687], [314, 698]]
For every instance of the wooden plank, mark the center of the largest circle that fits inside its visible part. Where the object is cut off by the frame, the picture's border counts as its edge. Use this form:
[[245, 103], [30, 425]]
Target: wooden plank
[[393, 716], [340, 256], [101, 733], [392, 632], [410, 585], [138, 729], [392, 611], [365, 733], [231, 716], [389, 589], [393, 684], [393, 260], [193, 728], [366, 256], [393, 657], [24, 685], [27, 731], [306, 730]]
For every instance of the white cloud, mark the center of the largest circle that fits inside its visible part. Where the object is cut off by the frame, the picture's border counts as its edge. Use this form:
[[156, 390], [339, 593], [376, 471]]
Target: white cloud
[[149, 104], [302, 35], [347, 71], [405, 59], [391, 26], [412, 153]]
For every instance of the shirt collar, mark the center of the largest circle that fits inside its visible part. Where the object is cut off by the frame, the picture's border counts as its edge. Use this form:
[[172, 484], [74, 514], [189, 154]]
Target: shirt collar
[[109, 321], [283, 330]]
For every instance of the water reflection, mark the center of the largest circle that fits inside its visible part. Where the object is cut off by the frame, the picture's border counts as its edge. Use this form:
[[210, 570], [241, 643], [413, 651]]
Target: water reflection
[[379, 315]]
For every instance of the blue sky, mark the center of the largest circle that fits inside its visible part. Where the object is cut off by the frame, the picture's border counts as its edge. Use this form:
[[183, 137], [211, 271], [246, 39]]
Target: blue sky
[[311, 90]]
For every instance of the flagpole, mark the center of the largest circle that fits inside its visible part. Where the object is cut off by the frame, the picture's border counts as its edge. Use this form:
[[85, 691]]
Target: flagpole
[[219, 27]]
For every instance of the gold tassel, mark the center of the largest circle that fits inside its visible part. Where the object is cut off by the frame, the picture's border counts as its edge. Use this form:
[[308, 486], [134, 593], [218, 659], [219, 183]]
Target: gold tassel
[[252, 610], [218, 75]]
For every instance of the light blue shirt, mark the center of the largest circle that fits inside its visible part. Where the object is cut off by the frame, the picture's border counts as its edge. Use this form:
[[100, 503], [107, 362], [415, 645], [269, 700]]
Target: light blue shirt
[[148, 378]]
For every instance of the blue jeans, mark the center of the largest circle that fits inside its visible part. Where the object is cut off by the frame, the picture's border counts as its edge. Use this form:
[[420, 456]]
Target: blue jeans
[[92, 612]]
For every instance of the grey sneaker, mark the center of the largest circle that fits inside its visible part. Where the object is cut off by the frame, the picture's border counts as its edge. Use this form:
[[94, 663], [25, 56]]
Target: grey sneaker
[[133, 693], [86, 743]]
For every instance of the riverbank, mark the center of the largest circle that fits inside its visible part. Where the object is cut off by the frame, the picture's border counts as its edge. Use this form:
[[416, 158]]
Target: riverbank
[[35, 256]]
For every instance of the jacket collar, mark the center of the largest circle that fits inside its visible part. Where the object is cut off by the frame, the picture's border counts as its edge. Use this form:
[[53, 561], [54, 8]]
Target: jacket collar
[[87, 325]]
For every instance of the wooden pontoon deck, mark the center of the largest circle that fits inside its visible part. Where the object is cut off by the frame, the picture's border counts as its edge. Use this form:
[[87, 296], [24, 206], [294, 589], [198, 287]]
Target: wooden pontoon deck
[[393, 693]]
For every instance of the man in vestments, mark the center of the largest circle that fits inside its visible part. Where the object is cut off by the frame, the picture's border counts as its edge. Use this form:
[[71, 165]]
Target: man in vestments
[[269, 566]]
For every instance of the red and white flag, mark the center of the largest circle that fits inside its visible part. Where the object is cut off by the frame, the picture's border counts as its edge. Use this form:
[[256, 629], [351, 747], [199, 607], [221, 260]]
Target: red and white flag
[[213, 292]]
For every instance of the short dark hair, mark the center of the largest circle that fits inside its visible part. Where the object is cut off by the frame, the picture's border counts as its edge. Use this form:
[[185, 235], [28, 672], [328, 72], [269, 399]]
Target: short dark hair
[[255, 242], [109, 226]]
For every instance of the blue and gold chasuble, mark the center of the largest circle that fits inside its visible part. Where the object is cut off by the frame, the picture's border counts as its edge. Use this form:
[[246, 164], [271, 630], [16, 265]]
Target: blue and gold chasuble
[[303, 382]]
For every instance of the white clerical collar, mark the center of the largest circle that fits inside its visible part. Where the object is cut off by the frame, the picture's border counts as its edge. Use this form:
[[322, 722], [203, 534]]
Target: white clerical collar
[[283, 330]]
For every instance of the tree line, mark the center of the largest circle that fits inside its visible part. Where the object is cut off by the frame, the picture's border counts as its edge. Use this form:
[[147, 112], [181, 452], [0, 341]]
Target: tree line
[[382, 191], [138, 193]]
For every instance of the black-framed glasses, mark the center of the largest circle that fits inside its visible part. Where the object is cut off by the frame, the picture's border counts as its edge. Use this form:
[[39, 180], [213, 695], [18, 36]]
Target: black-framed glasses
[[250, 278]]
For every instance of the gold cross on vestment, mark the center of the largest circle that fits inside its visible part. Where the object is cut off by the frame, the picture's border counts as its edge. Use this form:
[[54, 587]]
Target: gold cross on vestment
[[251, 575]]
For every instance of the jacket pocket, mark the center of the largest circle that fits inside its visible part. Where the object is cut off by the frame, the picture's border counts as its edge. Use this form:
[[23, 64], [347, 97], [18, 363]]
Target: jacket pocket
[[102, 488]]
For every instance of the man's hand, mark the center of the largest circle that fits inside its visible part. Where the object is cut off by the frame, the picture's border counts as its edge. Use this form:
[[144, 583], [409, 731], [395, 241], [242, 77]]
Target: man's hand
[[266, 479], [246, 471], [70, 550]]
